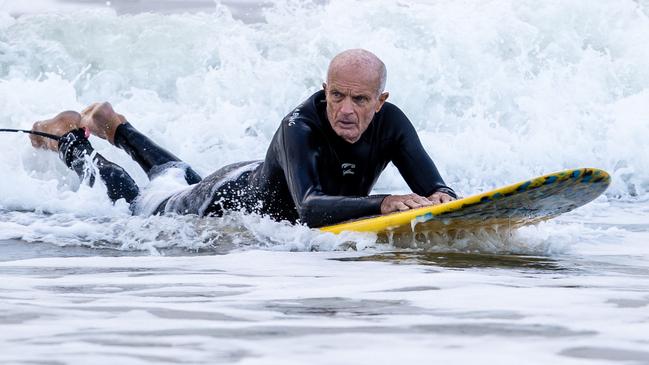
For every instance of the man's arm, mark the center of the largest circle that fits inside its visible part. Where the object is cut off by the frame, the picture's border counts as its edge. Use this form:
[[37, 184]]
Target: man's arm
[[414, 163], [300, 160], [400, 203]]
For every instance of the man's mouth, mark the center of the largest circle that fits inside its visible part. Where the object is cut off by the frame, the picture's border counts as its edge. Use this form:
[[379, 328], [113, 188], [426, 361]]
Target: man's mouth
[[347, 124]]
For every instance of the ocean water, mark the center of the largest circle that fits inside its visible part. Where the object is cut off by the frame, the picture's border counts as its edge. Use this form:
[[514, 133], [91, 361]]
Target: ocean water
[[499, 91]]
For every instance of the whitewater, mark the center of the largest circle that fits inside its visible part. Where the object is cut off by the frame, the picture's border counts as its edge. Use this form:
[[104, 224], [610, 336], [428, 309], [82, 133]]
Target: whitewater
[[500, 91]]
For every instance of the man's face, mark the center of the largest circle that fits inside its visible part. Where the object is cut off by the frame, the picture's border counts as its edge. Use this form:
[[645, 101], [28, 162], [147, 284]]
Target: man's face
[[352, 100]]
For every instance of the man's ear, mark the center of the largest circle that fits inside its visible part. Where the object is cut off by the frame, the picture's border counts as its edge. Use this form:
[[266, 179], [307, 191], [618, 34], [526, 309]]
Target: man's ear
[[382, 98], [324, 86]]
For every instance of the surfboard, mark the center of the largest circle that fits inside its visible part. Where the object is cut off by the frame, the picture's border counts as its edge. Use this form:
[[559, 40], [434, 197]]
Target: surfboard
[[527, 202]]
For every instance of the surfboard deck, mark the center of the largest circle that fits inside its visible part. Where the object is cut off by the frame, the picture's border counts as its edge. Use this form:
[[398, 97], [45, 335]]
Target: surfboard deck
[[512, 206]]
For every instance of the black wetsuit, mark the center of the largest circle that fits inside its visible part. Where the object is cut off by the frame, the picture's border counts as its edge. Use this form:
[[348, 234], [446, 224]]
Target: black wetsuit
[[309, 175]]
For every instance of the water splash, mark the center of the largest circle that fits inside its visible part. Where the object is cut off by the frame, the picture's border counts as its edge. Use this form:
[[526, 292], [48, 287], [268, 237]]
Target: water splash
[[499, 91]]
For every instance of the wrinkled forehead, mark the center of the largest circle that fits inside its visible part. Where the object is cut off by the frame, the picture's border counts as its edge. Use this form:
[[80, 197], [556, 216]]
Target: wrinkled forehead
[[359, 77]]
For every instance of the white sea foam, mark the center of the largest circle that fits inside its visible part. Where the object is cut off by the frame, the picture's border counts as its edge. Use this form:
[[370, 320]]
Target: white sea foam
[[499, 91]]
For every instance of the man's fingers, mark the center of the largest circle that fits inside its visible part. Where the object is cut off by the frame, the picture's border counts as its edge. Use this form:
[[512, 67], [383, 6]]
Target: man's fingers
[[417, 202], [446, 198], [422, 201], [401, 203], [440, 198], [435, 199], [401, 206], [410, 203]]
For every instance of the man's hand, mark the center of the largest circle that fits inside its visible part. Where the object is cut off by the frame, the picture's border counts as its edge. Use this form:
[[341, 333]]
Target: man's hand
[[439, 198], [400, 203], [397, 203]]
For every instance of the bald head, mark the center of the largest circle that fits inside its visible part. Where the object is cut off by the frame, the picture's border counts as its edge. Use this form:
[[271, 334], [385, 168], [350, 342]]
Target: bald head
[[354, 92], [365, 64]]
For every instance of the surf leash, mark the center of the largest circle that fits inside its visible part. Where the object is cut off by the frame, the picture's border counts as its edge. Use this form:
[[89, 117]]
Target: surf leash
[[42, 134]]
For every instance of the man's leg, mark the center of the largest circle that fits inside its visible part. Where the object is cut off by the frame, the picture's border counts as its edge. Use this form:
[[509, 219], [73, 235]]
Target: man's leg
[[225, 189], [104, 122], [76, 152]]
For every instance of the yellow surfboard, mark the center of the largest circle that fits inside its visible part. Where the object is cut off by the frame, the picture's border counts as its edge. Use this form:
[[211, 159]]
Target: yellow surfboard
[[516, 205]]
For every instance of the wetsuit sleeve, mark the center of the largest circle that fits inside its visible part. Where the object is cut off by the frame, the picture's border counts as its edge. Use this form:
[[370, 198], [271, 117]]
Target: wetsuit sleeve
[[412, 160], [300, 161], [152, 158], [77, 153]]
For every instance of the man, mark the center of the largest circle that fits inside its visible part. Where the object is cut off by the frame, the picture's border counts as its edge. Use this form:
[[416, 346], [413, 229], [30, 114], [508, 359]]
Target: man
[[319, 169]]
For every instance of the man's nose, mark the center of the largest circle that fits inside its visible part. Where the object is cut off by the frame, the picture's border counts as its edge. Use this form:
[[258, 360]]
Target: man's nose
[[347, 106]]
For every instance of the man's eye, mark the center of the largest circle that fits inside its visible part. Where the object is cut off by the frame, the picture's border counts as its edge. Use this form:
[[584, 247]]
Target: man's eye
[[336, 94], [360, 99]]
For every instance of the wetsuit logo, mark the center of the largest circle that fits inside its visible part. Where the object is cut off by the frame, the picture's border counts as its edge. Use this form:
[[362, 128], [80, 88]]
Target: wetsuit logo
[[293, 117], [348, 168]]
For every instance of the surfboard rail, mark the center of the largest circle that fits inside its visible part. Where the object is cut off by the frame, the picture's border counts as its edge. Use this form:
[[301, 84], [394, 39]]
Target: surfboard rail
[[597, 181]]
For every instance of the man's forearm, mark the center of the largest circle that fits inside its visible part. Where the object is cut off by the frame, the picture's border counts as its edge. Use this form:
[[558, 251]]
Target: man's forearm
[[322, 210]]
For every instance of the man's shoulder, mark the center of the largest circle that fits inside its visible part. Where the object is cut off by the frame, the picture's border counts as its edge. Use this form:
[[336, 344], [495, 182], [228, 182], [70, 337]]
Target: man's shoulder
[[392, 111], [391, 118], [306, 113]]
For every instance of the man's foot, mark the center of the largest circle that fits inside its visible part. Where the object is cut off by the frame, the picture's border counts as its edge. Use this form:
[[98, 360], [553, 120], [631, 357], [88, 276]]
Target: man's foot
[[102, 120], [58, 126]]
